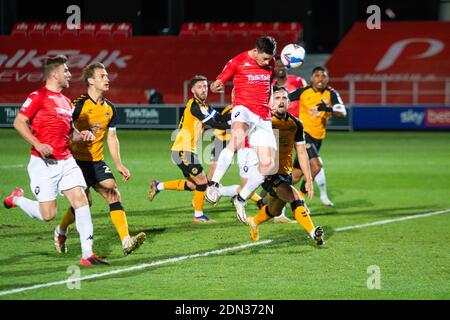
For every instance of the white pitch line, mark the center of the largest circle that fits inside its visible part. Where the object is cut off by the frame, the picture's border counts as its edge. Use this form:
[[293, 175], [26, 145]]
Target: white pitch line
[[137, 267], [10, 166], [205, 254], [376, 223]]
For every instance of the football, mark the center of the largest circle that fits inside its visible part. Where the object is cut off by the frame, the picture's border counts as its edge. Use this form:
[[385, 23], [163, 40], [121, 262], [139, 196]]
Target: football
[[293, 56]]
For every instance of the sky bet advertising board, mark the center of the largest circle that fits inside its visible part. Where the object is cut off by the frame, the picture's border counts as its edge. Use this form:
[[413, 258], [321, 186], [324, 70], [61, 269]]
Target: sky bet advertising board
[[400, 118]]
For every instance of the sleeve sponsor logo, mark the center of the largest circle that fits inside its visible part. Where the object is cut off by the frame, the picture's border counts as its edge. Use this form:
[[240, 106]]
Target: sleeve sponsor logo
[[26, 103]]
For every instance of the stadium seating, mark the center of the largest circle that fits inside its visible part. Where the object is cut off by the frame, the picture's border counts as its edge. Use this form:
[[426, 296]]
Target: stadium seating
[[222, 31], [257, 29], [104, 30], [122, 30], [20, 29], [69, 33], [226, 31], [54, 29], [37, 30], [205, 49], [88, 30], [239, 30]]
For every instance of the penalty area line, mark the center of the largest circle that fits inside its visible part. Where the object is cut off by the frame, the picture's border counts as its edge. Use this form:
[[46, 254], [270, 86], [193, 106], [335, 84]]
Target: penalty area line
[[208, 253]]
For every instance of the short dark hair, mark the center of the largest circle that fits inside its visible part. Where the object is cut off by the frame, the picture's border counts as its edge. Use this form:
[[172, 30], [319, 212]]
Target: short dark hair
[[51, 63], [266, 44], [89, 71], [319, 68], [279, 88], [196, 79]]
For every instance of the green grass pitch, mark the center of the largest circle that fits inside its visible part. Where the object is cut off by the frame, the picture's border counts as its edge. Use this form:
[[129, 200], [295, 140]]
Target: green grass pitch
[[371, 177]]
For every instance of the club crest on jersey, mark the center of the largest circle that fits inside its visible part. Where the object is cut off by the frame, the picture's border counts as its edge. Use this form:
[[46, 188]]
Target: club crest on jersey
[[308, 145], [96, 127], [194, 171], [37, 190], [26, 103]]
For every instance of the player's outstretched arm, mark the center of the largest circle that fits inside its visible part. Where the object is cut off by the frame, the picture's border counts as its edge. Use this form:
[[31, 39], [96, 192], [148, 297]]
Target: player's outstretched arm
[[212, 118], [21, 124], [79, 136], [338, 108], [114, 151], [217, 87], [339, 111], [295, 95], [303, 160]]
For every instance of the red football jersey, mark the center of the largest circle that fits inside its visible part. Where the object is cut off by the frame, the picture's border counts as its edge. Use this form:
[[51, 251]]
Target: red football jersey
[[252, 83], [293, 83], [50, 115]]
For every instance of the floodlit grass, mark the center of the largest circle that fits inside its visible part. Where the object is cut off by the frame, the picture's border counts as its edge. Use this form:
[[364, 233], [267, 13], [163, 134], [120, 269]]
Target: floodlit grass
[[371, 177]]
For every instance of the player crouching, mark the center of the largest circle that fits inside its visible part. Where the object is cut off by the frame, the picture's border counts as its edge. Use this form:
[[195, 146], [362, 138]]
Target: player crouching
[[279, 186]]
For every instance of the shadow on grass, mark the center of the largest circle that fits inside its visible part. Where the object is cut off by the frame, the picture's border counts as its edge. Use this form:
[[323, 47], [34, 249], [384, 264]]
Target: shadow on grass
[[106, 237]]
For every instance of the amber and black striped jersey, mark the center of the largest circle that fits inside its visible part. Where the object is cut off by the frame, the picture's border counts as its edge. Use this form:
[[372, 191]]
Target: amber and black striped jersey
[[220, 133], [289, 131], [96, 117], [315, 122], [196, 115]]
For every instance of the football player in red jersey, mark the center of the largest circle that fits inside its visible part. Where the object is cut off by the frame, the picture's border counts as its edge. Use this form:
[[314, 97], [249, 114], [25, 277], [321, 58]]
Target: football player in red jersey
[[45, 121], [252, 74]]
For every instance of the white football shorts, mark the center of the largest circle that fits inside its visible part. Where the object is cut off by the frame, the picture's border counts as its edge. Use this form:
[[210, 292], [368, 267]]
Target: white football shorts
[[50, 177], [247, 158], [260, 132]]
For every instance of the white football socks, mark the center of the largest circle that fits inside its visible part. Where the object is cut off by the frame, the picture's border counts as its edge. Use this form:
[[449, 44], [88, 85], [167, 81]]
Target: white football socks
[[255, 179], [160, 186], [229, 191], [30, 207], [223, 163], [126, 241], [322, 183], [198, 214], [85, 228]]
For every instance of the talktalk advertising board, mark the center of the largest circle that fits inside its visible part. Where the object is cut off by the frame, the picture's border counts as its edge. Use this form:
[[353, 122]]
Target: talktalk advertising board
[[21, 63], [399, 50]]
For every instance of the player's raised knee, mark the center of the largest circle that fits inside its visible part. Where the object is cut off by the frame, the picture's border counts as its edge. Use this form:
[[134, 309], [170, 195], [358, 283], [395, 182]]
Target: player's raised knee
[[267, 167], [48, 214]]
